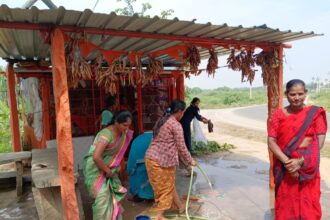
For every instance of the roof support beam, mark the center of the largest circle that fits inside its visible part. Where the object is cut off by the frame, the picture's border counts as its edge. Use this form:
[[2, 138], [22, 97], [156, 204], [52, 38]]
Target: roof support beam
[[136, 34]]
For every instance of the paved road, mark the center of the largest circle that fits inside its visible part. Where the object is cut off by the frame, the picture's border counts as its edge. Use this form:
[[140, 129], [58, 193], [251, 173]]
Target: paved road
[[259, 113]]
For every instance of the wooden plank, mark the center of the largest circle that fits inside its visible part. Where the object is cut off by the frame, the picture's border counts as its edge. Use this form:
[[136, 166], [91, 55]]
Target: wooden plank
[[19, 178], [45, 168], [15, 156]]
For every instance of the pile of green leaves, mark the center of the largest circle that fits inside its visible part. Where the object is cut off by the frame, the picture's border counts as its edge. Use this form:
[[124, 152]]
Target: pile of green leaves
[[201, 148]]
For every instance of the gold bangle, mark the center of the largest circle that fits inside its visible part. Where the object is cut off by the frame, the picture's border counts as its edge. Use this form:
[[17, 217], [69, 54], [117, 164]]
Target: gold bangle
[[301, 161]]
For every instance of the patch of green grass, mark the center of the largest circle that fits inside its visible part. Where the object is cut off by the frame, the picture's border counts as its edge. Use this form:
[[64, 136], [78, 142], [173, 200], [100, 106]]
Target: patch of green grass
[[201, 148], [225, 97], [321, 99]]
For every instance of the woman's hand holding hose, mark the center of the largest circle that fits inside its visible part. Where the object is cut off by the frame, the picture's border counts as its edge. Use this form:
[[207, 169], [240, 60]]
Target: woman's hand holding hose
[[193, 163]]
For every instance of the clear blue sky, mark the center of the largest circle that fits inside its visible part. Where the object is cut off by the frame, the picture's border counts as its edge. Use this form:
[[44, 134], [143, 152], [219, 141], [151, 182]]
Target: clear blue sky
[[308, 58]]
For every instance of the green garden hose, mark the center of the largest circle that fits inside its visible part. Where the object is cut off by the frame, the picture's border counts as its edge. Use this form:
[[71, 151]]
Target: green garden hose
[[189, 191], [205, 176]]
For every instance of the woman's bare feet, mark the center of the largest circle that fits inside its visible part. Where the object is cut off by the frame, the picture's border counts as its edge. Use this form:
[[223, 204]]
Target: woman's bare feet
[[161, 217], [182, 209]]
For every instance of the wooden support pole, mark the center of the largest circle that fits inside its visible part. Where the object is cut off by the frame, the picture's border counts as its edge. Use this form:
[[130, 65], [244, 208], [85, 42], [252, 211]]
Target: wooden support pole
[[14, 123], [275, 102], [63, 127], [173, 89], [45, 95], [180, 87], [94, 110], [139, 107]]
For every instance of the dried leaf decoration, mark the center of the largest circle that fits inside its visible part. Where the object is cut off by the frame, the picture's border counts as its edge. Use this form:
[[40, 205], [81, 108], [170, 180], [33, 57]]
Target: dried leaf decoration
[[212, 64], [106, 78], [77, 67], [269, 61], [193, 58], [154, 68], [234, 61], [247, 66]]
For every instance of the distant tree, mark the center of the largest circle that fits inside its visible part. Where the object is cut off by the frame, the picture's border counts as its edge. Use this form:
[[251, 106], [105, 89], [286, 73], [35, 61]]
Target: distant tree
[[187, 93], [196, 90], [128, 10]]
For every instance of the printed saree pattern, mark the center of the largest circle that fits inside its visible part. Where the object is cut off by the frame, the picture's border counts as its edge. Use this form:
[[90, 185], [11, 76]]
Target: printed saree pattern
[[106, 191]]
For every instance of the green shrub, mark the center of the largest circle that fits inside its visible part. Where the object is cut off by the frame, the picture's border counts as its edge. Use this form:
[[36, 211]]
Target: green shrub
[[5, 140], [229, 100]]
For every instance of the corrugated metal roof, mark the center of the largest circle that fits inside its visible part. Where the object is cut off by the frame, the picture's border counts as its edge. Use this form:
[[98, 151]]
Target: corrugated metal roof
[[27, 44]]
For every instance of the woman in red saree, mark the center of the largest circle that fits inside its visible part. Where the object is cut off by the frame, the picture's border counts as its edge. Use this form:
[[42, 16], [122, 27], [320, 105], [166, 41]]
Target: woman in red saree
[[295, 136]]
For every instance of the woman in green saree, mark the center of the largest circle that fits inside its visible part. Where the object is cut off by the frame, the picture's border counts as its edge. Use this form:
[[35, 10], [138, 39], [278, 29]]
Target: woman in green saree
[[102, 164]]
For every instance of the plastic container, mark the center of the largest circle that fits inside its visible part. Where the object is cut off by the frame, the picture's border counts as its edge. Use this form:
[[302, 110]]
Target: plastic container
[[142, 217]]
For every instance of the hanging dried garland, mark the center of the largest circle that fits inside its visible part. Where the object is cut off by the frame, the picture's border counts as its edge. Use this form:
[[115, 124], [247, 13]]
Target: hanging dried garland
[[269, 61], [123, 71], [135, 77], [244, 62], [247, 66], [106, 78], [140, 76], [234, 61], [77, 67], [212, 64], [194, 59], [154, 68]]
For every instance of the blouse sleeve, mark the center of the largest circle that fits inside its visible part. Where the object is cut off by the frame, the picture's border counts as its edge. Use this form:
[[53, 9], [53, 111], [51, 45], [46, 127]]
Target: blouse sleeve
[[104, 137], [182, 149], [274, 124], [197, 115], [320, 125]]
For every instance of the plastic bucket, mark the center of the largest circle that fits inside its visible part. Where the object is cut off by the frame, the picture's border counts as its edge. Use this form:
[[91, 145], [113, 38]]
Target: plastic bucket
[[142, 217]]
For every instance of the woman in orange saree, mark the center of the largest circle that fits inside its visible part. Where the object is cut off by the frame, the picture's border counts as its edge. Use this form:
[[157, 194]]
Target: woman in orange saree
[[102, 164], [295, 136]]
